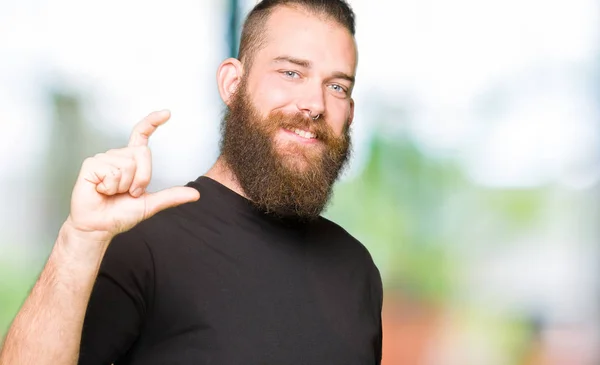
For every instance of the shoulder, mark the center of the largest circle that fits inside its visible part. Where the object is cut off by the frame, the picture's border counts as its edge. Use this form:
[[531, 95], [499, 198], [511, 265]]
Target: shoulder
[[171, 233], [127, 250], [170, 225], [329, 228], [338, 235]]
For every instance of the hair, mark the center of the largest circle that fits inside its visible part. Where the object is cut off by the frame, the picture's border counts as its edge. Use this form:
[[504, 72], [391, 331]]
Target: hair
[[254, 34]]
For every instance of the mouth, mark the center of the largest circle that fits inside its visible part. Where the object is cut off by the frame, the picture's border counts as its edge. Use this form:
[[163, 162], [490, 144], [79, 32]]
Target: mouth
[[302, 135]]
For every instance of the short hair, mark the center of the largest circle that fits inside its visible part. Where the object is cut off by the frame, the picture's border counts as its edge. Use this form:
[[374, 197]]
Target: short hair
[[253, 31]]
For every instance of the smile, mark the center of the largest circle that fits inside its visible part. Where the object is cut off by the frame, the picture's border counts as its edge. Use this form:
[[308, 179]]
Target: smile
[[302, 133]]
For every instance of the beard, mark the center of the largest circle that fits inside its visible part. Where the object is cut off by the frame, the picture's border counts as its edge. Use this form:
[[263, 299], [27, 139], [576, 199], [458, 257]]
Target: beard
[[286, 179]]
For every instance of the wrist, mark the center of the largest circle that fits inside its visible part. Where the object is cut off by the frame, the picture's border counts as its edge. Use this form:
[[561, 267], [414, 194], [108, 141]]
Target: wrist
[[74, 261], [86, 247], [75, 231]]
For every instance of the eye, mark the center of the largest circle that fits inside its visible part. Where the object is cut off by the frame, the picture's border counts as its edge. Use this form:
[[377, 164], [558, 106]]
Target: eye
[[291, 74], [337, 88]]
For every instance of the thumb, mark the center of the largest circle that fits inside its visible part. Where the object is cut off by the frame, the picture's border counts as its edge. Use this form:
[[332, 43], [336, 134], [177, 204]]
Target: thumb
[[167, 198]]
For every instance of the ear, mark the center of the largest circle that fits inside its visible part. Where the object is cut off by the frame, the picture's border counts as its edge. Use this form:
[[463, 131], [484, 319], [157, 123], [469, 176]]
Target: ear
[[229, 75], [351, 115]]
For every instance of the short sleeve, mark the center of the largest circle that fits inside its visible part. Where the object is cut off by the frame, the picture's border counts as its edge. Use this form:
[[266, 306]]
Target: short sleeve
[[119, 302], [377, 302]]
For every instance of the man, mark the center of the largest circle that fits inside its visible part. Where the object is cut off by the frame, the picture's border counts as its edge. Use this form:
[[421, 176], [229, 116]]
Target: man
[[248, 274]]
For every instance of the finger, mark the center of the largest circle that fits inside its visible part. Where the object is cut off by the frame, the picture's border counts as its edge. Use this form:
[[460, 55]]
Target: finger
[[143, 172], [127, 166], [103, 175], [144, 129], [168, 198]]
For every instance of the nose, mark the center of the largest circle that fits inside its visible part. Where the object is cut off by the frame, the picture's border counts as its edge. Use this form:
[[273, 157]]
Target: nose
[[311, 101]]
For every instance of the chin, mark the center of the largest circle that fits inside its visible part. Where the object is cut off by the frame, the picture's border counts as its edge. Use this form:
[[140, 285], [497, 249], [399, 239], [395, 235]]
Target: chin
[[298, 156], [296, 162]]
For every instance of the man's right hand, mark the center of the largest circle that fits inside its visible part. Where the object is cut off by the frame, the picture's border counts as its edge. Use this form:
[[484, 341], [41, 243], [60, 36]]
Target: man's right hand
[[105, 202], [110, 195]]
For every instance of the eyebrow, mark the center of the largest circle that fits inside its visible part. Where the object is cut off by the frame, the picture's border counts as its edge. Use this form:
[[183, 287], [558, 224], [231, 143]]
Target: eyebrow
[[344, 76], [308, 64], [296, 61]]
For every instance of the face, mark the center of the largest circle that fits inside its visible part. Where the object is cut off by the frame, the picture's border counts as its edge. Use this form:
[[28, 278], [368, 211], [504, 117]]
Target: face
[[308, 67], [285, 161]]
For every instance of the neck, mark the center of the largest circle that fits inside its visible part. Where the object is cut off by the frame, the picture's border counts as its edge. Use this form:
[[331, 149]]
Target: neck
[[221, 173]]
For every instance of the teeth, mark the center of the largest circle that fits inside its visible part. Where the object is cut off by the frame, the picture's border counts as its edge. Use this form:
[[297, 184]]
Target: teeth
[[304, 134]]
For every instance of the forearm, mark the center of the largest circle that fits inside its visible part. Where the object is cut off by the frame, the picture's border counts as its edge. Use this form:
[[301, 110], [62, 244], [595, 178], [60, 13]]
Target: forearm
[[47, 329]]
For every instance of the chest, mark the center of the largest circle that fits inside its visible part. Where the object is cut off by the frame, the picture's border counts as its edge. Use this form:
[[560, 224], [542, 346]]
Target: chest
[[257, 300]]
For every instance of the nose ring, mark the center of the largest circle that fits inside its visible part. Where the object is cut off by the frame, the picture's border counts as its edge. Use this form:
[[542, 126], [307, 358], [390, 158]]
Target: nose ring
[[315, 117]]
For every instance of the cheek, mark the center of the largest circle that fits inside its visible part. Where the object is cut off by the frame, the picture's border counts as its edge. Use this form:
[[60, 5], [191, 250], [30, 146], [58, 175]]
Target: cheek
[[271, 94], [339, 113], [337, 126]]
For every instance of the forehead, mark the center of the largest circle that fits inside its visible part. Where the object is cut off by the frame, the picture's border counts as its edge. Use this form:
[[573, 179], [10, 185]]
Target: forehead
[[295, 32]]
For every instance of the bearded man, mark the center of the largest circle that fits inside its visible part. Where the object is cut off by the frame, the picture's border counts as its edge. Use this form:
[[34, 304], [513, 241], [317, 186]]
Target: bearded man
[[250, 273]]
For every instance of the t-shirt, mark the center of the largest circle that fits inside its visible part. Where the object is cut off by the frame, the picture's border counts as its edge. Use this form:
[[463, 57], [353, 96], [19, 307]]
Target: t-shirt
[[218, 282]]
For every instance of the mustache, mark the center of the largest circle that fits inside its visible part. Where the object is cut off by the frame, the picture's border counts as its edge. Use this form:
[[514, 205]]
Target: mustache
[[318, 127]]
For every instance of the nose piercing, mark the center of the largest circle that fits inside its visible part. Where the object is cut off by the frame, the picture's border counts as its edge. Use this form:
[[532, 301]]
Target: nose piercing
[[315, 117]]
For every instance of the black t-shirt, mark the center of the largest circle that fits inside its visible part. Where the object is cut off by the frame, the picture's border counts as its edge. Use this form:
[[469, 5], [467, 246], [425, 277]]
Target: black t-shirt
[[217, 282]]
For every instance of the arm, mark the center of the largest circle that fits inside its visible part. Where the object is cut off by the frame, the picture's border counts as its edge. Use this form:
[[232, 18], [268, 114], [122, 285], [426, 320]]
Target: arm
[[121, 301], [109, 198], [48, 326]]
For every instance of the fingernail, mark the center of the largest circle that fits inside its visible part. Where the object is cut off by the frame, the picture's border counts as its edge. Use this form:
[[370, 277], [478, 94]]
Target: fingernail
[[136, 192]]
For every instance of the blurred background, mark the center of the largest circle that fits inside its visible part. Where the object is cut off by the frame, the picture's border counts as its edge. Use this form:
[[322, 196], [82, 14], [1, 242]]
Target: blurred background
[[476, 167]]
